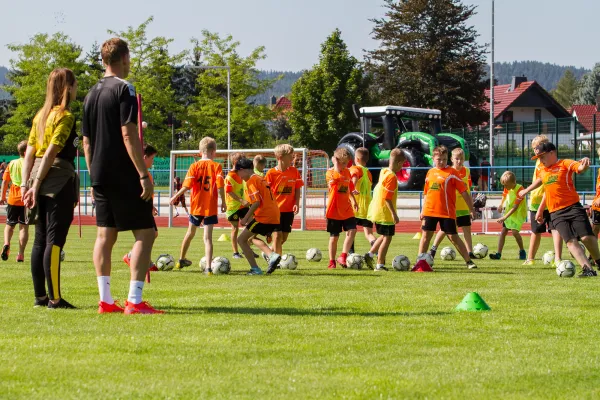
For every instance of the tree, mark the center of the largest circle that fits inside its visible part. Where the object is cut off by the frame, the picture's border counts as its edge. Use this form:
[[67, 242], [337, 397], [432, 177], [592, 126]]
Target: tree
[[565, 89], [589, 87], [322, 98], [429, 57]]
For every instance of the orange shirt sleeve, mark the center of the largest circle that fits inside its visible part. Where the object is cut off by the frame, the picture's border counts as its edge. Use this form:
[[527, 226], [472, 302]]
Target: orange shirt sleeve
[[269, 177], [228, 186], [355, 171], [574, 166], [6, 175], [459, 185], [253, 191], [191, 176], [329, 178], [389, 185], [426, 187]]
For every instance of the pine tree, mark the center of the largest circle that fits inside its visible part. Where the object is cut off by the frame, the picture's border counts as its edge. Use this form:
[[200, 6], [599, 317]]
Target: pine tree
[[429, 57], [565, 90], [589, 87]]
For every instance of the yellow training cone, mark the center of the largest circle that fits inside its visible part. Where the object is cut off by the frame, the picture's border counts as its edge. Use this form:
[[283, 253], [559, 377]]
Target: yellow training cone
[[223, 238], [417, 236]]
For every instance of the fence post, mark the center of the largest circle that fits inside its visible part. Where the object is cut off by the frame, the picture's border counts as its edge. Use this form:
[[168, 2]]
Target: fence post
[[477, 141], [556, 134], [506, 142], [158, 205], [593, 146]]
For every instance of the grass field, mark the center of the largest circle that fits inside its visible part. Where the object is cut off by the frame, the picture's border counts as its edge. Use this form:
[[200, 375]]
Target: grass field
[[309, 333]]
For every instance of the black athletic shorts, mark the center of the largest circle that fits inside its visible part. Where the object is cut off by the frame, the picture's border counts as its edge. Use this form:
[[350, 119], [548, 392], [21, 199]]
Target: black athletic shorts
[[364, 223], [196, 220], [336, 226], [572, 222], [463, 220], [239, 214], [385, 230], [15, 215], [447, 225], [545, 226], [286, 219], [121, 207], [595, 217], [262, 229]]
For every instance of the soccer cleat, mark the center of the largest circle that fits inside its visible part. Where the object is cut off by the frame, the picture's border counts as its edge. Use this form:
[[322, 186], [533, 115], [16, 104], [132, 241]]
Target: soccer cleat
[[105, 308], [587, 272], [342, 261], [495, 256], [255, 271], [274, 259], [153, 268], [256, 255], [208, 271], [127, 260], [62, 303], [432, 253], [5, 252], [529, 262], [331, 264], [368, 260], [183, 263], [20, 258], [381, 268], [237, 255], [471, 255], [471, 264], [522, 255], [41, 302], [142, 308]]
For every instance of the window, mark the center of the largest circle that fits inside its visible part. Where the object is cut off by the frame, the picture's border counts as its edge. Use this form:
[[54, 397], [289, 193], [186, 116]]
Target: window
[[507, 117], [537, 115]]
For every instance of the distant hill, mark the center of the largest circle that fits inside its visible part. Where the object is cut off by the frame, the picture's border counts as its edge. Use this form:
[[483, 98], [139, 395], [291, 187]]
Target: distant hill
[[545, 74], [280, 88]]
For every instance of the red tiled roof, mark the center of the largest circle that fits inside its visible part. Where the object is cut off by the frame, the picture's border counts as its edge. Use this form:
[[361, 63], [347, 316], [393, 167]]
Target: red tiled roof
[[503, 97], [585, 115], [283, 104]]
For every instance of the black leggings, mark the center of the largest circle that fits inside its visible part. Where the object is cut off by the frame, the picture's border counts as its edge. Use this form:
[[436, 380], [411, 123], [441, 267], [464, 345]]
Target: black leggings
[[54, 217]]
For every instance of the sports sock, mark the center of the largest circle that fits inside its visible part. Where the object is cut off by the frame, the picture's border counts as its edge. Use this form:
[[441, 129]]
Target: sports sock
[[371, 254], [434, 248], [135, 292], [104, 289], [380, 265]]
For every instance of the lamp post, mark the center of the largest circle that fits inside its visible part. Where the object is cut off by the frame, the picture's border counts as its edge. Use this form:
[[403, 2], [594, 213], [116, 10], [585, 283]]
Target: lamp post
[[491, 146]]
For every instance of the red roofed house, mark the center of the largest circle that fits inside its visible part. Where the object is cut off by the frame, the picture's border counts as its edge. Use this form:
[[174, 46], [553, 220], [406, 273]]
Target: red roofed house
[[585, 114], [282, 105], [524, 101]]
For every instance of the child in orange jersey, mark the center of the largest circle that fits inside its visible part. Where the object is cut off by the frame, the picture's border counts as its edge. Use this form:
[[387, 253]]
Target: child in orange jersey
[[341, 205], [261, 219], [237, 206], [259, 164], [596, 206], [441, 184], [362, 181], [205, 180]]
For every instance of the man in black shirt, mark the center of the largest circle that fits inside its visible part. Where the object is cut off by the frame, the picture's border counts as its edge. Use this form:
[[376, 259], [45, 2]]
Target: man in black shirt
[[122, 188]]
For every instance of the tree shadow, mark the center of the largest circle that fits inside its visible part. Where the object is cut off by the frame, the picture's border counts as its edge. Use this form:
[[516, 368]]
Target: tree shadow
[[322, 312], [478, 271]]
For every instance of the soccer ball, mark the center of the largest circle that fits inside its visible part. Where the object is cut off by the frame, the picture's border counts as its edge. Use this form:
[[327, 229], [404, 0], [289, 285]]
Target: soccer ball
[[202, 263], [220, 265], [288, 261], [565, 269], [63, 255], [354, 261], [426, 257], [401, 263], [165, 262], [548, 257], [480, 250], [582, 247], [448, 254], [314, 255]]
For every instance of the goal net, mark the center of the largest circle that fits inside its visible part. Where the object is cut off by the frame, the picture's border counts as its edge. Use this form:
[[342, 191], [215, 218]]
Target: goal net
[[312, 165]]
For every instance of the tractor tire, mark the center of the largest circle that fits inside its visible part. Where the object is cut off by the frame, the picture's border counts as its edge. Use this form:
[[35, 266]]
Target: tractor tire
[[409, 178], [450, 143], [351, 147]]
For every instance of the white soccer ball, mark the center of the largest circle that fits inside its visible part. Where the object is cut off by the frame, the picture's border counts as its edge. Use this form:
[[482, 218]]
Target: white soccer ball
[[63, 255], [165, 262], [427, 257], [565, 269], [354, 261], [288, 261], [220, 265], [548, 257], [480, 250], [448, 254], [314, 255], [401, 263], [202, 263]]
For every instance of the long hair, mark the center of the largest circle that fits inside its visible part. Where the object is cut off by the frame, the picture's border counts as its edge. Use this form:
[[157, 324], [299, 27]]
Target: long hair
[[58, 93]]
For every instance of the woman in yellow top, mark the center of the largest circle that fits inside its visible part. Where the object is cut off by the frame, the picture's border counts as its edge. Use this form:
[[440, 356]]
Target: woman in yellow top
[[50, 185]]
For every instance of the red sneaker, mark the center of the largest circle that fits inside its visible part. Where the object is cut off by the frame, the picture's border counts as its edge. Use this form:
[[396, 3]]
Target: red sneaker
[[331, 264], [20, 258], [104, 308], [127, 259], [142, 308], [153, 268], [342, 261]]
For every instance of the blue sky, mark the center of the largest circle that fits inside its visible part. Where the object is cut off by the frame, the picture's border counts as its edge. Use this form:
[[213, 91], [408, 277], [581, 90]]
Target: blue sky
[[292, 31]]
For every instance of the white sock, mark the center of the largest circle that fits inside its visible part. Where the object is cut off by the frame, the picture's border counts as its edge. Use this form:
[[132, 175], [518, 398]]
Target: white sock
[[380, 265], [371, 254], [135, 292], [104, 289]]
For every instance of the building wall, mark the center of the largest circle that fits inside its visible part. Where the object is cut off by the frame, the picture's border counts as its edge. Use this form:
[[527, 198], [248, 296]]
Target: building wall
[[527, 114]]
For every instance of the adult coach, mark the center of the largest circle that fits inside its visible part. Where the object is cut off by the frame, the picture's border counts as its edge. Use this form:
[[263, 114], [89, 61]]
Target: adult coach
[[120, 181]]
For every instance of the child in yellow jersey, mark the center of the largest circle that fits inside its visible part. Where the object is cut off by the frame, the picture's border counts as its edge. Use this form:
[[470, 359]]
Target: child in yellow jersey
[[237, 206], [596, 206], [515, 216], [382, 210], [363, 181], [260, 162], [463, 217]]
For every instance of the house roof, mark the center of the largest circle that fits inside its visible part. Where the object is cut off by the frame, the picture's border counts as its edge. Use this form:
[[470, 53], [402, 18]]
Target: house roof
[[283, 104], [585, 115]]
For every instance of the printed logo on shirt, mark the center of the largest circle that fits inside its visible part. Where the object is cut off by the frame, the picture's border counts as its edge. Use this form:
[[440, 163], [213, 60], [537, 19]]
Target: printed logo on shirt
[[434, 186], [552, 179], [285, 190]]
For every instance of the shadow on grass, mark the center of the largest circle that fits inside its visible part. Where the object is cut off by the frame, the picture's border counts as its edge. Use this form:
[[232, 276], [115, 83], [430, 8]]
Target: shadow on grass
[[323, 312], [477, 271]]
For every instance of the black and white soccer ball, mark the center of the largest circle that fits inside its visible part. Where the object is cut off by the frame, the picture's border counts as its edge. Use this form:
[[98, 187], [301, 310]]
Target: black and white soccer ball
[[565, 269], [401, 263], [354, 261], [165, 262], [480, 250], [314, 255], [220, 266], [448, 254]]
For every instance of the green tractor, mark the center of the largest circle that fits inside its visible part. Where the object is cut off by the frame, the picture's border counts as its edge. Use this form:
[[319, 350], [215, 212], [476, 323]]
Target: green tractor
[[384, 128]]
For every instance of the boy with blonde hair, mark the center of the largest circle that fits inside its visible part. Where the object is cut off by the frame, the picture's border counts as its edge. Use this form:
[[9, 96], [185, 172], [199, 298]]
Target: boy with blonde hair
[[363, 182], [341, 205], [515, 216], [596, 205], [237, 206], [382, 210], [259, 165], [205, 180]]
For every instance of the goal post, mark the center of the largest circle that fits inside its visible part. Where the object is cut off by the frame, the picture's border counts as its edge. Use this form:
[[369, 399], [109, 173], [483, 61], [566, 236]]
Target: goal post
[[312, 165]]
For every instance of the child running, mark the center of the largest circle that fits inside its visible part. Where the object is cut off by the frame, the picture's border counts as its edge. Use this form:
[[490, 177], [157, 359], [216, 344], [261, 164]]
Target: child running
[[181, 200], [515, 214], [382, 210], [15, 209], [341, 205], [237, 206], [363, 182], [205, 180], [566, 212], [441, 185]]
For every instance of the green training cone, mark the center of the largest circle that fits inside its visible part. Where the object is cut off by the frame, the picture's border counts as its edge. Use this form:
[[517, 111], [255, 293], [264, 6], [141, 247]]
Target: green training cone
[[472, 302]]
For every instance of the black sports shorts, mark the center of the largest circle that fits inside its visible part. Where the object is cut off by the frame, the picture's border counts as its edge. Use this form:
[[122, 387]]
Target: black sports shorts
[[572, 222], [447, 225], [122, 207]]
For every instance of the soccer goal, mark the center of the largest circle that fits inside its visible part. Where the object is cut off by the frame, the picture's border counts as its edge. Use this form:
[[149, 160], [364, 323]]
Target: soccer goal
[[312, 165]]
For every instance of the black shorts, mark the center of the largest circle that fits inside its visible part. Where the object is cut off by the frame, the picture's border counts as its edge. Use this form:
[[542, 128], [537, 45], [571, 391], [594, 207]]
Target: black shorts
[[336, 226], [121, 207], [286, 219], [545, 226], [385, 230], [262, 229], [15, 215], [595, 217], [463, 220], [239, 214], [572, 222], [447, 225], [364, 223], [196, 220]]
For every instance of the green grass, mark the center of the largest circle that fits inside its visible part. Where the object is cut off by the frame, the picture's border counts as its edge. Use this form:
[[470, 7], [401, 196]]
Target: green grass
[[309, 333]]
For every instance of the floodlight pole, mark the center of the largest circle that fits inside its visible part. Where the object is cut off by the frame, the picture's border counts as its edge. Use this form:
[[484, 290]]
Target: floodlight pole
[[491, 145]]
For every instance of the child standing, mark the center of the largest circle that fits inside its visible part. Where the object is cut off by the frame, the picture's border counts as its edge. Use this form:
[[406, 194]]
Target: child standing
[[363, 182], [259, 165], [181, 200], [237, 206], [515, 216], [205, 180], [382, 210], [341, 205], [596, 206]]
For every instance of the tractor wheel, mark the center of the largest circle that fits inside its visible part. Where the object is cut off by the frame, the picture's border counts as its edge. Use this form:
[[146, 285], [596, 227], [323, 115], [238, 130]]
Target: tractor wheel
[[410, 178]]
